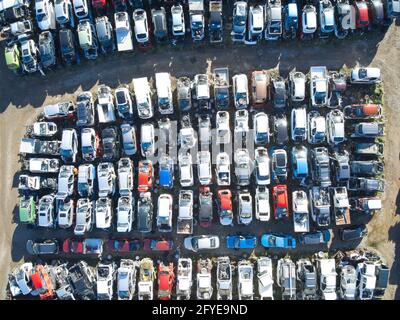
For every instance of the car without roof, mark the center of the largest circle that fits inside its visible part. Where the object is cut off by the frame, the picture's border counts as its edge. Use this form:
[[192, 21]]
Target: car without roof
[[106, 179], [85, 109], [84, 216], [125, 176], [145, 212], [46, 211], [86, 177], [317, 127], [66, 182], [125, 213], [222, 170], [205, 207]]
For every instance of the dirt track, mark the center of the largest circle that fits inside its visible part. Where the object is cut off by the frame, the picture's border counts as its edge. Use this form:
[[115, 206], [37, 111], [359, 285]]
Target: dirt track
[[21, 98]]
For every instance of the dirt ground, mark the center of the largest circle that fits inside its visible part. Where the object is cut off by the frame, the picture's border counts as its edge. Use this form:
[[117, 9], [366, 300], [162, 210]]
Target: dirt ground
[[21, 99]]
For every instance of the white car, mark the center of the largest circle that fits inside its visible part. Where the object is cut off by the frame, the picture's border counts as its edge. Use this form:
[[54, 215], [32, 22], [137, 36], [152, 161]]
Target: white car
[[164, 93], [144, 103], [299, 124], [126, 279], [204, 167], [123, 32], [65, 213], [88, 144], [62, 11], [263, 210], [245, 208], [43, 165], [366, 75], [366, 272], [223, 130], [103, 213], [261, 128], [335, 126], [129, 141], [69, 145], [178, 20], [147, 139], [265, 278], [185, 170], [141, 26], [66, 182], [241, 122], [105, 281], [124, 102], [256, 16], [262, 163], [240, 91], [125, 176], [243, 167], [317, 128], [86, 177], [223, 169], [245, 281], [106, 179], [44, 129], [84, 216], [297, 86], [203, 242], [45, 15], [46, 211], [205, 133], [81, 8], [125, 214], [164, 213]]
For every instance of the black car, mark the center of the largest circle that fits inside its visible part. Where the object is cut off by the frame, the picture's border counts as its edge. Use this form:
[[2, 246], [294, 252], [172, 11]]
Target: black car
[[13, 14], [353, 233], [278, 92], [85, 109], [42, 247], [281, 129], [68, 48], [110, 139], [145, 213]]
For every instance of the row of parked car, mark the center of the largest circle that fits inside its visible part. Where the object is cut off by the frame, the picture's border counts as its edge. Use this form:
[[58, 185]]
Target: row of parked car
[[346, 276], [68, 27], [87, 191]]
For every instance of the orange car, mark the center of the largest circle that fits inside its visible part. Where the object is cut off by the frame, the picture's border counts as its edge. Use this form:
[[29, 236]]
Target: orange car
[[165, 280], [42, 283], [145, 176]]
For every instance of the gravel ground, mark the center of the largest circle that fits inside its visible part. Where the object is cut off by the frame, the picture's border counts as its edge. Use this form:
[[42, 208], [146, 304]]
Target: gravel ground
[[21, 100]]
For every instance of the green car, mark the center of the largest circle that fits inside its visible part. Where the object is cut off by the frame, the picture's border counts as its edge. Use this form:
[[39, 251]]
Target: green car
[[12, 55], [27, 210]]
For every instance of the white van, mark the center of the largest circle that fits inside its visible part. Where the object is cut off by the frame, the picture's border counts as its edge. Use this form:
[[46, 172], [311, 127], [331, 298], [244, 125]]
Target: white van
[[240, 91], [143, 98], [164, 93], [147, 140]]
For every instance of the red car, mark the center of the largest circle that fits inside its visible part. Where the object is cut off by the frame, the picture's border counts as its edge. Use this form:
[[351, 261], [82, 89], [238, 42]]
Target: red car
[[225, 207], [145, 177], [157, 245], [165, 280], [100, 7], [362, 17], [280, 199]]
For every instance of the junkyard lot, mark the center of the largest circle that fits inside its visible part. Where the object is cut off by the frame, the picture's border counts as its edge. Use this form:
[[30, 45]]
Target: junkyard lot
[[21, 99]]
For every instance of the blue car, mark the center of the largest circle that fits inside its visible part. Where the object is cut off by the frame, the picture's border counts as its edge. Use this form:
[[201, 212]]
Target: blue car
[[270, 240], [241, 242], [166, 172], [317, 237], [299, 162]]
